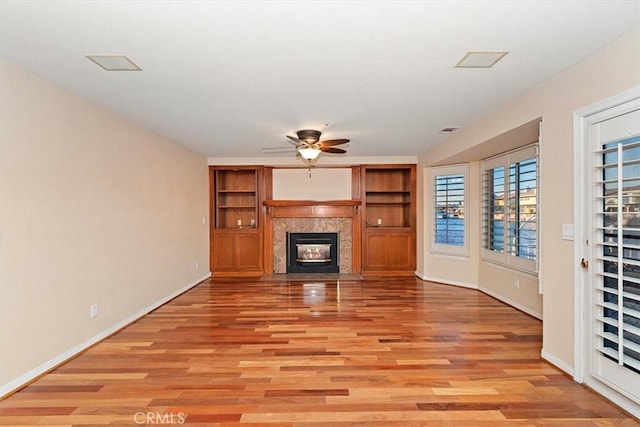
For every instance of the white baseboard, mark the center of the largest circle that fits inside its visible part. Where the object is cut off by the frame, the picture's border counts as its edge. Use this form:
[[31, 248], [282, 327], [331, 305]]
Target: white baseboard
[[616, 397], [601, 388], [446, 281], [486, 291], [512, 303], [56, 361], [558, 363]]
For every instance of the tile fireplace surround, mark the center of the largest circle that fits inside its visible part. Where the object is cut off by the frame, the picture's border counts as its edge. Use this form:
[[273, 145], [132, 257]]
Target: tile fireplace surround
[[342, 226], [338, 216]]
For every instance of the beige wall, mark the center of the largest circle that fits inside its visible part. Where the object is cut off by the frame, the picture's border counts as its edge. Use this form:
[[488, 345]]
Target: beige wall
[[612, 70], [94, 210]]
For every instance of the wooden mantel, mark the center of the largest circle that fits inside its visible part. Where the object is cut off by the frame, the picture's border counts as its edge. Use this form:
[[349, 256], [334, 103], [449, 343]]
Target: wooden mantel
[[313, 209]]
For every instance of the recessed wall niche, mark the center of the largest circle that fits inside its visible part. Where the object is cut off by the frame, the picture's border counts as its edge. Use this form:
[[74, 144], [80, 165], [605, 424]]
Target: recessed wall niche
[[314, 184]]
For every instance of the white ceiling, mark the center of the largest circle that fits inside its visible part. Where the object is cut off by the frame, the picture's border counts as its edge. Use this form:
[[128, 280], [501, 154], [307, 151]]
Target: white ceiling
[[230, 77]]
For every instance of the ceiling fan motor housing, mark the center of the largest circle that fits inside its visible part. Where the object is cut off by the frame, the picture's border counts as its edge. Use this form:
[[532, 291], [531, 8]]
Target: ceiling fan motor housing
[[309, 136]]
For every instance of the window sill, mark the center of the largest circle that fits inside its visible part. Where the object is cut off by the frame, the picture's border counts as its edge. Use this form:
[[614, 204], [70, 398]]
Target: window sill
[[450, 255]]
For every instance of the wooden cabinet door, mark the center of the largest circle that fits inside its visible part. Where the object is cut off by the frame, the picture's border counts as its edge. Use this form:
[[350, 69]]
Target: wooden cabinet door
[[399, 253], [389, 252], [236, 253], [248, 251], [223, 252], [375, 251]]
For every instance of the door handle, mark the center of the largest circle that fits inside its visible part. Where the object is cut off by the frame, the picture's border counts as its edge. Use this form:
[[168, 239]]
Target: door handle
[[584, 263]]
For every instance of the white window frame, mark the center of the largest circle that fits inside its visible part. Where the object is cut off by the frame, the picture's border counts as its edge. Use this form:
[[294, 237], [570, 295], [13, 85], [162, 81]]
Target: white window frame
[[504, 257], [438, 248]]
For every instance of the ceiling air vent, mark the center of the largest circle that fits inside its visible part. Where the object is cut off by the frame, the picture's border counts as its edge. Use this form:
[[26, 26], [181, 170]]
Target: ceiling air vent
[[480, 59], [114, 62]]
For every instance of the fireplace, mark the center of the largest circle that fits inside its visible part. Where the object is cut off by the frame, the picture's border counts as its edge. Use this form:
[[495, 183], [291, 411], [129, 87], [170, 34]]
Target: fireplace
[[312, 252]]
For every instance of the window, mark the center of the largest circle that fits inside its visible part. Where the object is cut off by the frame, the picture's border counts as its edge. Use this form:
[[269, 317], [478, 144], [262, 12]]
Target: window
[[449, 208], [449, 221], [510, 209]]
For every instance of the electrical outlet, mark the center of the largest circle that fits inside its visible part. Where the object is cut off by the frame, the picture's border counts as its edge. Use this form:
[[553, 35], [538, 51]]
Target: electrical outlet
[[197, 265], [379, 221], [93, 311], [516, 283]]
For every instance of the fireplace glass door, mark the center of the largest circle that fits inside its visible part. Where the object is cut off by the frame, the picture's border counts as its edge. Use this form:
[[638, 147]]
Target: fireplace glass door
[[312, 252]]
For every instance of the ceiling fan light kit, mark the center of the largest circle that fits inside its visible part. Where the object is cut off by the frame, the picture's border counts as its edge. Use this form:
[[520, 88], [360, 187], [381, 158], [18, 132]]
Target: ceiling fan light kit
[[309, 153]]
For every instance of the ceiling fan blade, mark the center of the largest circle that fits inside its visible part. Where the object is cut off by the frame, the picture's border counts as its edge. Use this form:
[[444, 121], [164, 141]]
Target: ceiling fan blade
[[330, 142], [332, 150], [287, 149], [297, 142]]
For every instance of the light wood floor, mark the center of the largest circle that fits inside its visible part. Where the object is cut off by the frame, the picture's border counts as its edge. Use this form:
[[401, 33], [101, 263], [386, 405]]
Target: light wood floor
[[388, 352]]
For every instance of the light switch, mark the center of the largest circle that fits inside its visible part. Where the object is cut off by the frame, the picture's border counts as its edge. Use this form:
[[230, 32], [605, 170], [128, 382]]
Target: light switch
[[567, 231]]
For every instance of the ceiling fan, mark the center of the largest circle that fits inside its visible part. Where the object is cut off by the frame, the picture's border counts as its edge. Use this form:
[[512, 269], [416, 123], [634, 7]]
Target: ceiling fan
[[308, 145]]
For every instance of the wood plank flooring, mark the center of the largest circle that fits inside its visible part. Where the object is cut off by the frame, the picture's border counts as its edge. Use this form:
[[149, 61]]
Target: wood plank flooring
[[387, 352]]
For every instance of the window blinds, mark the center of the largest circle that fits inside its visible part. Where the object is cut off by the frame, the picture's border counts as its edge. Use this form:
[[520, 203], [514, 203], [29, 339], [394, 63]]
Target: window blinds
[[617, 252]]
